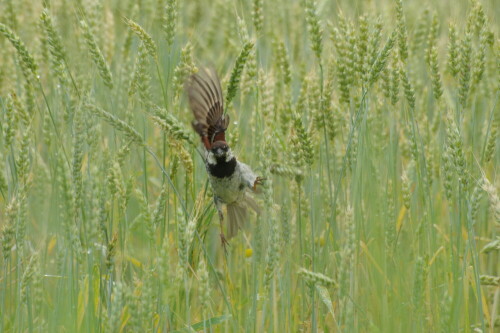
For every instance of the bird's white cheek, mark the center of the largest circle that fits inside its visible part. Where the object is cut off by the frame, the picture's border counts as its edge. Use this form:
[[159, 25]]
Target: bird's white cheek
[[211, 158], [229, 156]]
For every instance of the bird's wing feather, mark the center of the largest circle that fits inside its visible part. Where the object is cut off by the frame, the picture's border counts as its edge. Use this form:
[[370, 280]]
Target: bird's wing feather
[[206, 102], [247, 175]]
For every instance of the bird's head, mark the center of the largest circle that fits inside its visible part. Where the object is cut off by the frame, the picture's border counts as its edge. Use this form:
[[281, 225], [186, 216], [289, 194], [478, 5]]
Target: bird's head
[[220, 149]]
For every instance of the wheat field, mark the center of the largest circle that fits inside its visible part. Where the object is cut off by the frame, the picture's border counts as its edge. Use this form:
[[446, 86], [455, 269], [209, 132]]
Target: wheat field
[[375, 124]]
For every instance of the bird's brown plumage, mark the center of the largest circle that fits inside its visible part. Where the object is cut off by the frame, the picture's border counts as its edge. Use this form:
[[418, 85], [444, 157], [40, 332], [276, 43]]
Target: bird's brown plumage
[[206, 102]]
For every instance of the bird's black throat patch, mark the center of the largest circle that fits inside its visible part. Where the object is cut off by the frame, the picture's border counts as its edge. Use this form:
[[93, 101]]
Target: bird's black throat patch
[[222, 169]]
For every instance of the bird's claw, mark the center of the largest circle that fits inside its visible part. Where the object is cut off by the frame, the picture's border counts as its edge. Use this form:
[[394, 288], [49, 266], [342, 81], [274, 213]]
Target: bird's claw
[[258, 181], [224, 242]]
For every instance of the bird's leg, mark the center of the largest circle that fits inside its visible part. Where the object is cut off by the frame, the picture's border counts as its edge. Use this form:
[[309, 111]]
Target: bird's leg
[[258, 181], [218, 205]]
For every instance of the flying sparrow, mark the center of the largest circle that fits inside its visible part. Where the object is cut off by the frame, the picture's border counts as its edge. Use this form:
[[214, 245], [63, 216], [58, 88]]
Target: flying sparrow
[[230, 179]]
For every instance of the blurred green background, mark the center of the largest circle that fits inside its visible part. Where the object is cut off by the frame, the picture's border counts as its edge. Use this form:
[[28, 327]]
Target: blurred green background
[[375, 124]]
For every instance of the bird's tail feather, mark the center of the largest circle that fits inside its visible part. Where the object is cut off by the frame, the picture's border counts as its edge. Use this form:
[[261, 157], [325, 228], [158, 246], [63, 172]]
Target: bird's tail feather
[[237, 215]]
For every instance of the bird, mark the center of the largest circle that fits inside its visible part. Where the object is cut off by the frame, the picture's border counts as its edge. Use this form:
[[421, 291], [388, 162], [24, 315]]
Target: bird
[[231, 180]]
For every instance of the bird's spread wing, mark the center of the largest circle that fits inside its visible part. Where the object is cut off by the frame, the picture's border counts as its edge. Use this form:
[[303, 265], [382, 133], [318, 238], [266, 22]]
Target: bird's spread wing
[[205, 99]]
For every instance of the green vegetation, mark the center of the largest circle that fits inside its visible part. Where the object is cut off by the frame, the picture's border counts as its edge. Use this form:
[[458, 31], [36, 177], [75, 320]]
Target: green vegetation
[[375, 124]]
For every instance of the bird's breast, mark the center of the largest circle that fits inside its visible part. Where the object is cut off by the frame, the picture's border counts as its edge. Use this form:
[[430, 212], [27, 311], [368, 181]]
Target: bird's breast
[[227, 188]]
